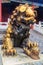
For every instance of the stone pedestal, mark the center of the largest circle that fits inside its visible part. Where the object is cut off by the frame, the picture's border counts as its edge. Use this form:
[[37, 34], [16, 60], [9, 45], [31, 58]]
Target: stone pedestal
[[20, 59]]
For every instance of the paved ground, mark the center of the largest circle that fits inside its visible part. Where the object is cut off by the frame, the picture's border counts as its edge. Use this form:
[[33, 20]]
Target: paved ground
[[0, 60]]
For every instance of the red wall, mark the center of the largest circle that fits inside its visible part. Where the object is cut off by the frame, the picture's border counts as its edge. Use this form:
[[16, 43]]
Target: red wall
[[0, 11]]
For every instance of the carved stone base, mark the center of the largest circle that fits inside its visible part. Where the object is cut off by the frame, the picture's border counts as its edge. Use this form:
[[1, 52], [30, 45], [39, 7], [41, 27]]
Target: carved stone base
[[20, 59]]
